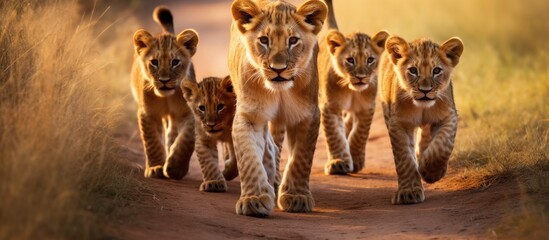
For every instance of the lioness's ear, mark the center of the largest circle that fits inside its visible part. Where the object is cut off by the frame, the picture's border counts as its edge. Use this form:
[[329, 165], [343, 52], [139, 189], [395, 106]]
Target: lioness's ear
[[188, 39], [190, 89], [453, 48], [334, 39], [243, 12], [227, 85], [315, 12], [396, 47], [379, 41], [141, 39]]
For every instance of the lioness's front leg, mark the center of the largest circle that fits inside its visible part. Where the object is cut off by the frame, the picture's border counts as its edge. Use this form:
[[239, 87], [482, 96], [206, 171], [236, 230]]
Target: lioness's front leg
[[294, 194], [150, 128], [410, 188], [257, 196]]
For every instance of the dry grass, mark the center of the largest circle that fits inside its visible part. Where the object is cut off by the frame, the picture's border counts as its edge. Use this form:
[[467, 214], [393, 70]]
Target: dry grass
[[501, 87], [59, 174]]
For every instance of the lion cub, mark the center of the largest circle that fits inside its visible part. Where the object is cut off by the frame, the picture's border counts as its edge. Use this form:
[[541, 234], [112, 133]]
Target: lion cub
[[348, 85], [419, 110], [160, 64], [213, 103]]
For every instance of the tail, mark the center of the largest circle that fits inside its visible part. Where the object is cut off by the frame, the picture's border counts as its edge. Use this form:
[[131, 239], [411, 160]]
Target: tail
[[163, 16], [332, 24]]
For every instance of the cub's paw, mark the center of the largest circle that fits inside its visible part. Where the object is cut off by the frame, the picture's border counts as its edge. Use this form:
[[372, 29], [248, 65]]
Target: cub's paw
[[175, 171], [255, 206], [357, 166], [154, 172], [214, 186], [409, 196], [337, 167], [431, 174], [296, 202]]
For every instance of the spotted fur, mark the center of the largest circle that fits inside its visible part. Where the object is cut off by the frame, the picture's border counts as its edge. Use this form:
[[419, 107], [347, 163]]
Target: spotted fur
[[272, 63], [213, 103], [161, 62], [348, 85], [419, 110]]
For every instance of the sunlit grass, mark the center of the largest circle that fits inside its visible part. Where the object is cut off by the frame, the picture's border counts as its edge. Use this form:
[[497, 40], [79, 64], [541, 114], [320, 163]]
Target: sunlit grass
[[60, 174]]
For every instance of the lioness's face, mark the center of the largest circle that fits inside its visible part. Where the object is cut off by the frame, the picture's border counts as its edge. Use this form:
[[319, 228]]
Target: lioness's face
[[280, 40], [165, 59], [355, 57], [424, 68]]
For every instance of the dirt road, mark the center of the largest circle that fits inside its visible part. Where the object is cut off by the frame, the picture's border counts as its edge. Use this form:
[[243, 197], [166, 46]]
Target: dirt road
[[356, 206]]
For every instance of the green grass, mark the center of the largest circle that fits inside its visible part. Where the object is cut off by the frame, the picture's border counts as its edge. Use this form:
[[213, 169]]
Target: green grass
[[60, 174]]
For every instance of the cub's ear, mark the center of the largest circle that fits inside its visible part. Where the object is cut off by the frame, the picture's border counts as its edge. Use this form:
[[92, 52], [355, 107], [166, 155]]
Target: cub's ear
[[188, 39], [227, 85], [379, 41], [453, 48], [141, 40], [190, 89], [315, 12], [334, 39], [396, 47], [243, 12]]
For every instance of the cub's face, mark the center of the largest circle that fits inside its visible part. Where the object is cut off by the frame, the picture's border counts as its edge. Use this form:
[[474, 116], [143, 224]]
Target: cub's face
[[165, 59], [424, 67], [280, 40], [213, 102], [355, 57]]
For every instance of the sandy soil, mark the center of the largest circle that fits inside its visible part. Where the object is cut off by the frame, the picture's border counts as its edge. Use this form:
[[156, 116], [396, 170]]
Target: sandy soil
[[356, 206]]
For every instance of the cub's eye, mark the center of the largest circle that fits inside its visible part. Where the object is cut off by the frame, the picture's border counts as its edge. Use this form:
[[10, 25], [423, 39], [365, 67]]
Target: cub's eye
[[350, 60], [413, 70], [202, 108], [264, 40], [154, 63], [220, 107], [370, 60], [175, 62], [293, 40], [437, 70]]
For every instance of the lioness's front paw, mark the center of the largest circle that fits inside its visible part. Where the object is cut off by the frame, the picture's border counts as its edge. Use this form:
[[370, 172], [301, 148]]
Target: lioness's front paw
[[296, 202], [337, 167], [154, 172], [409, 196], [431, 173], [256, 206], [214, 186]]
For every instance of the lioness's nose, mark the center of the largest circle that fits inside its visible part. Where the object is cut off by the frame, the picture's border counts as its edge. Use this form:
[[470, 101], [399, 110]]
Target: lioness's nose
[[278, 68]]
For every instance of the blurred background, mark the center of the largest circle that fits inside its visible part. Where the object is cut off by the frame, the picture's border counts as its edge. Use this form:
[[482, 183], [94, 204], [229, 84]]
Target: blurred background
[[67, 117]]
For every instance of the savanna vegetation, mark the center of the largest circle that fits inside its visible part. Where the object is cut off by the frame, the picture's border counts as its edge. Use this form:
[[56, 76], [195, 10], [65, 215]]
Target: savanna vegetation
[[61, 174], [501, 86]]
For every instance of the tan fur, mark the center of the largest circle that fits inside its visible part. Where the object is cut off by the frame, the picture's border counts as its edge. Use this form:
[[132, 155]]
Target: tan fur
[[213, 103], [160, 64], [348, 84], [419, 110], [272, 63]]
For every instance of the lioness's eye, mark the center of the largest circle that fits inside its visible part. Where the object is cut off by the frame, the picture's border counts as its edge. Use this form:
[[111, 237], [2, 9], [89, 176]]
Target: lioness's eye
[[220, 107], [154, 63], [202, 108], [293, 40], [175, 62], [413, 70], [350, 60], [437, 70], [264, 40], [370, 60]]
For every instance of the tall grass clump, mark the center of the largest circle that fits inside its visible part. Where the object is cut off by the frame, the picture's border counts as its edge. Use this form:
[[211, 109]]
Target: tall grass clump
[[60, 177]]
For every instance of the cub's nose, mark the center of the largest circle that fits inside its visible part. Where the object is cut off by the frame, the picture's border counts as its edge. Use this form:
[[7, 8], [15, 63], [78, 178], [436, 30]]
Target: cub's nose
[[278, 68], [210, 124], [164, 80], [425, 91]]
